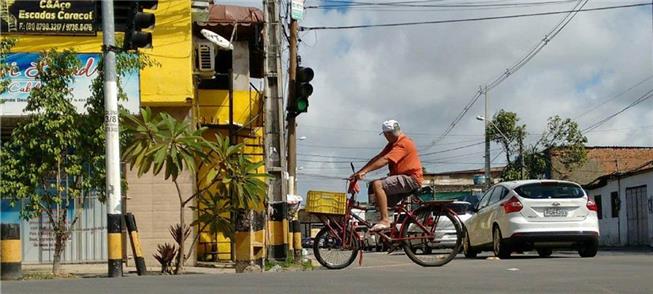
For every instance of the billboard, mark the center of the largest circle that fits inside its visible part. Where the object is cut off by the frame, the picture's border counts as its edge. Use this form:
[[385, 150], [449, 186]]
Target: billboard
[[48, 17], [23, 79]]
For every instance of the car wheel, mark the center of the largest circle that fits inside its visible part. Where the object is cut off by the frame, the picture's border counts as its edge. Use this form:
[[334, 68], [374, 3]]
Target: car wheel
[[467, 248], [544, 252], [501, 249], [589, 249]]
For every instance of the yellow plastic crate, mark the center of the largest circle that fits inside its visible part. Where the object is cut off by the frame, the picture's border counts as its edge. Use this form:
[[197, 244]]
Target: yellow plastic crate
[[326, 202]]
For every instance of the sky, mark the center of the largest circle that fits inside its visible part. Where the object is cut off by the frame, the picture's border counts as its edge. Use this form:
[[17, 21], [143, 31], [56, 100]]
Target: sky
[[423, 76]]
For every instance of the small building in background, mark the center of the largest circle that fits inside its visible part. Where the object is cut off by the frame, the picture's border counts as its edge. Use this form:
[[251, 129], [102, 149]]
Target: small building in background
[[625, 206], [460, 184]]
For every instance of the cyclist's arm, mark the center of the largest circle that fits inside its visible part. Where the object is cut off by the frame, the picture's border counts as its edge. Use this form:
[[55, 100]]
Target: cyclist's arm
[[376, 163]]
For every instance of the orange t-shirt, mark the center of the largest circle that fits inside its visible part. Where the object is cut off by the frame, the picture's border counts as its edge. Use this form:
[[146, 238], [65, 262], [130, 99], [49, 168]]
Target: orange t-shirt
[[403, 158]]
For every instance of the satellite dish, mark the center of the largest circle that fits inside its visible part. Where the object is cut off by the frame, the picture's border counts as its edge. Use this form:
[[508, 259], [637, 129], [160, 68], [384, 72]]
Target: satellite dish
[[217, 39]]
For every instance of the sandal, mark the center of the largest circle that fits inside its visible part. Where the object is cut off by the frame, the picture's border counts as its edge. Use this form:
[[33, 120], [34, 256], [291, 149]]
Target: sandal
[[380, 227]]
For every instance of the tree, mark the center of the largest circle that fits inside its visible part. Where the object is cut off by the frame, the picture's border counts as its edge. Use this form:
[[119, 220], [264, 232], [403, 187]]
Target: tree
[[41, 164], [5, 47], [230, 181], [161, 141], [55, 157], [563, 135], [505, 123]]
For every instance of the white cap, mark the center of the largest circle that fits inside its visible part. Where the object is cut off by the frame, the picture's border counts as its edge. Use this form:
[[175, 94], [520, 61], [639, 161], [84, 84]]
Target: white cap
[[390, 126]]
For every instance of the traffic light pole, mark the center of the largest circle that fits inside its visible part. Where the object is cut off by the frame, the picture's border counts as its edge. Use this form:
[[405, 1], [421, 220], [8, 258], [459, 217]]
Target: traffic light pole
[[292, 135], [113, 189]]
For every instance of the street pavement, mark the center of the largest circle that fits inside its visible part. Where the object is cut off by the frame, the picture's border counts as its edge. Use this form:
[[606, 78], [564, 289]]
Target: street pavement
[[609, 272]]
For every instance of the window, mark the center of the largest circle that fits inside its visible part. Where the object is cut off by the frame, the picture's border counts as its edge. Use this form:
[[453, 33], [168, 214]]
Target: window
[[496, 195], [615, 203], [599, 206], [550, 190], [485, 199]]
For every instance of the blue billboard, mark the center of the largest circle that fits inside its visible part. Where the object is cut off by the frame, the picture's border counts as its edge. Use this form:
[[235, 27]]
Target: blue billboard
[[24, 78]]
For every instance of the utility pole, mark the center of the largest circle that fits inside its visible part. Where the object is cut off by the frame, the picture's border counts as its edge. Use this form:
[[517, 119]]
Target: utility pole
[[292, 135], [488, 176], [113, 189], [275, 139], [521, 156]]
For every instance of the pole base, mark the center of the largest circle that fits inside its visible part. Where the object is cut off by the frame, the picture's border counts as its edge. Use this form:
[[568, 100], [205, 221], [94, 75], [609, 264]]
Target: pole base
[[115, 268]]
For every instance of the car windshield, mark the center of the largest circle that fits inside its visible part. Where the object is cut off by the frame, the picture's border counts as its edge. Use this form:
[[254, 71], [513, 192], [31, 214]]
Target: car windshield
[[550, 190]]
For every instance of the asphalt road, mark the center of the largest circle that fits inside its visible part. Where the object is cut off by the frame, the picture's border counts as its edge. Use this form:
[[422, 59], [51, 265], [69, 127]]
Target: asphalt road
[[609, 272]]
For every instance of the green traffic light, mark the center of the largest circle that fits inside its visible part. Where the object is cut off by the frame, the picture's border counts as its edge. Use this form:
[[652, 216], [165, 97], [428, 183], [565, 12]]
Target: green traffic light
[[302, 105]]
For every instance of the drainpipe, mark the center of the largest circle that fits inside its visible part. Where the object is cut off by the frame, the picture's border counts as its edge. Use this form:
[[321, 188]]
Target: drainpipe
[[616, 161]]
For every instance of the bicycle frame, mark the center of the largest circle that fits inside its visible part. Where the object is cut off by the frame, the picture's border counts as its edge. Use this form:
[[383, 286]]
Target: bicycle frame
[[342, 226]]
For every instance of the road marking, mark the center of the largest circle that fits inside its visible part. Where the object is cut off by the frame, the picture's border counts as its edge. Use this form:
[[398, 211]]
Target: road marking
[[387, 265], [513, 269]]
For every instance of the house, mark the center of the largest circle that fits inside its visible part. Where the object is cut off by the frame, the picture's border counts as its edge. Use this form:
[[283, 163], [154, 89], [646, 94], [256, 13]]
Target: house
[[192, 80], [625, 206], [601, 160]]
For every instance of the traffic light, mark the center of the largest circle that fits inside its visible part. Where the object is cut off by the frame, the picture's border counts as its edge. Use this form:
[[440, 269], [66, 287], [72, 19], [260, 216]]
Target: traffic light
[[137, 21], [303, 89]]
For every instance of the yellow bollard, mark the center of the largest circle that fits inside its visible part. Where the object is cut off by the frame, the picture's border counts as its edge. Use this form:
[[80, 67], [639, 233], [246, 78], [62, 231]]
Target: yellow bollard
[[11, 253]]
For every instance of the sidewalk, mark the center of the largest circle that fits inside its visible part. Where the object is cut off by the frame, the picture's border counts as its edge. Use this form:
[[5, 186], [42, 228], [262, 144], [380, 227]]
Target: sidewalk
[[87, 270]]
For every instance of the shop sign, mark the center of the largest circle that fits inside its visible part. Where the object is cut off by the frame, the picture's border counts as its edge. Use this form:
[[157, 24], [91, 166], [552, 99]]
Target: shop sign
[[48, 17]]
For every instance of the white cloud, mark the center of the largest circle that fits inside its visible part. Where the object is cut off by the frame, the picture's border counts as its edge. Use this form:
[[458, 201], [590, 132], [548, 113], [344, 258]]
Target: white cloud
[[424, 75]]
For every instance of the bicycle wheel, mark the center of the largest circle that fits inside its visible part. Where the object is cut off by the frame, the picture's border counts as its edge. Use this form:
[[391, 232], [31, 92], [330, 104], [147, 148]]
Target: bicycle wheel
[[443, 243], [330, 251]]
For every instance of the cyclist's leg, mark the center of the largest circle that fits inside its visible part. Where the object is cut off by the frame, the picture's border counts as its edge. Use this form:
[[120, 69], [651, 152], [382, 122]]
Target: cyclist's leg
[[385, 191], [381, 201]]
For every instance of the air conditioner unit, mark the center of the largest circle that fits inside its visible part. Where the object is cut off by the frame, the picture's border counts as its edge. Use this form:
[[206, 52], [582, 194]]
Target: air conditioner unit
[[205, 52]]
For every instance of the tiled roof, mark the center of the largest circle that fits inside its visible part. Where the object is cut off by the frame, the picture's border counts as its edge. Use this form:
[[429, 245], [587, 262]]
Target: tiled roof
[[603, 160]]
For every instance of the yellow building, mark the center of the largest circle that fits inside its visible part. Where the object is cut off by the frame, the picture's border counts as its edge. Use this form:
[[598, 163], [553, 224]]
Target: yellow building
[[192, 81]]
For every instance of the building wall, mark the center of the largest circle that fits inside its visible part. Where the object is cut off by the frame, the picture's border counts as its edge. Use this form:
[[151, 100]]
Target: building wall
[[155, 205], [167, 86], [614, 229]]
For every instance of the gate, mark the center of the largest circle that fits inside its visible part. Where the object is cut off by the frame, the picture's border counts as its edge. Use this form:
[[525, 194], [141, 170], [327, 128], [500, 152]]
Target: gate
[[637, 215]]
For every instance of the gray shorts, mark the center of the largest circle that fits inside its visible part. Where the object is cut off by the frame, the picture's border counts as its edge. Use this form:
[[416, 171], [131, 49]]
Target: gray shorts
[[395, 187]]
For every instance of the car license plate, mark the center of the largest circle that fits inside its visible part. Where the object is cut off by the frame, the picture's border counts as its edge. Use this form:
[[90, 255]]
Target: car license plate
[[555, 212]]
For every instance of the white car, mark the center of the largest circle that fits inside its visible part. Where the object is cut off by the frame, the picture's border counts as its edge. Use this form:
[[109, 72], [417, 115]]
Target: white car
[[537, 215]]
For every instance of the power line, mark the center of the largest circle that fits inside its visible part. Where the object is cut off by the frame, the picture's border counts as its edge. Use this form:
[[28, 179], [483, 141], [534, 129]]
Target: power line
[[356, 4], [603, 102], [518, 65], [400, 24], [453, 149], [637, 101]]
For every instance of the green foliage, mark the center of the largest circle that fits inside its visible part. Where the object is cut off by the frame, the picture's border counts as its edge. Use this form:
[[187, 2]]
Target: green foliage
[[214, 213], [56, 155], [504, 129], [562, 135], [93, 145], [565, 137], [42, 151], [237, 176], [231, 181], [159, 141], [5, 69]]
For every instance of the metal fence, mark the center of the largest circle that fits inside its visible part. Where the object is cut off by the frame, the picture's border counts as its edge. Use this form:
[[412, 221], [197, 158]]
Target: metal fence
[[86, 244]]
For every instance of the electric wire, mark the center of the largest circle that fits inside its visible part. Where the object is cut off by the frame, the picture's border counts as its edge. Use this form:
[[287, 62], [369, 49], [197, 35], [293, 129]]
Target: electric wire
[[518, 65], [635, 102], [400, 24]]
